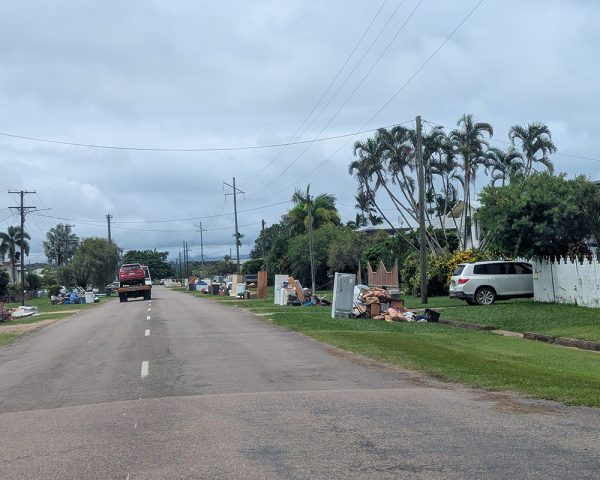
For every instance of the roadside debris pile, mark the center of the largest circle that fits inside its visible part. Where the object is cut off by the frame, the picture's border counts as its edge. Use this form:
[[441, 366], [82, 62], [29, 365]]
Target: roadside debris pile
[[7, 314], [290, 292], [380, 304]]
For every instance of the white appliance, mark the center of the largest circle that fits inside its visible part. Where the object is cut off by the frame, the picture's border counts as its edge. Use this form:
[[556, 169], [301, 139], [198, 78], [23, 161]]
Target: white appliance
[[343, 295], [279, 280]]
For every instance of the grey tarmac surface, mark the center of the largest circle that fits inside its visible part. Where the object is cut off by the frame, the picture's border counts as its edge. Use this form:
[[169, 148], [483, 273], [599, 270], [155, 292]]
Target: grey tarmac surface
[[230, 396]]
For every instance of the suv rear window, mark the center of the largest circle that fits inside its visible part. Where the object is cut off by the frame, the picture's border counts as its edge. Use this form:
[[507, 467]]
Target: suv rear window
[[459, 270], [131, 267]]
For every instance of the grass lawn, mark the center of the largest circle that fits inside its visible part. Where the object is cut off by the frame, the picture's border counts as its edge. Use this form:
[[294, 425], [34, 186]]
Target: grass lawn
[[49, 312], [474, 358], [7, 338], [524, 315]]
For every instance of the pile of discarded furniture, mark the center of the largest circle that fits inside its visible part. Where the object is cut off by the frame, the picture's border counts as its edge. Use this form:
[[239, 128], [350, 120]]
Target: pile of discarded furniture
[[379, 303]]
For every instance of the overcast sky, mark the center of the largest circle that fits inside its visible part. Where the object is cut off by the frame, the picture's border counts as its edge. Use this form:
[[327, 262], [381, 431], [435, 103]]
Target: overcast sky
[[192, 75]]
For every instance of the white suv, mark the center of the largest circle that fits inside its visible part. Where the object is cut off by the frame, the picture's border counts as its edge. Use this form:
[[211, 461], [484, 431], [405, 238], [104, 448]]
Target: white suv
[[484, 282]]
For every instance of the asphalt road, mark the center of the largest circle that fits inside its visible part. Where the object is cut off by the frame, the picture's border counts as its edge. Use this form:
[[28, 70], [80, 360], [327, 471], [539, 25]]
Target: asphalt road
[[182, 387]]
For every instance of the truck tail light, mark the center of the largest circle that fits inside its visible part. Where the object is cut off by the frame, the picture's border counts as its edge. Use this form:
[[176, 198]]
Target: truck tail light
[[462, 281]]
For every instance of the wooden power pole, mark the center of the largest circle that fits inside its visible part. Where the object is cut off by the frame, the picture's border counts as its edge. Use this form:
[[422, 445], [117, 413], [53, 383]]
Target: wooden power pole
[[422, 231]]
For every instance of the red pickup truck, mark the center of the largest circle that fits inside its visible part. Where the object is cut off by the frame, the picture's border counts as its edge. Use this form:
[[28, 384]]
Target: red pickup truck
[[131, 274]]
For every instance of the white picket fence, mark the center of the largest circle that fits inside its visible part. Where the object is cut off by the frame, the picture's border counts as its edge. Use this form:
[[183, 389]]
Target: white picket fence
[[565, 281]]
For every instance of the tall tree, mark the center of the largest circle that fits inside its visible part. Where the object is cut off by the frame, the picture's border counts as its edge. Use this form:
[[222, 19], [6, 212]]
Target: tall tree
[[9, 242], [95, 261], [60, 244], [470, 143], [503, 164], [155, 261], [539, 215], [536, 145], [323, 210]]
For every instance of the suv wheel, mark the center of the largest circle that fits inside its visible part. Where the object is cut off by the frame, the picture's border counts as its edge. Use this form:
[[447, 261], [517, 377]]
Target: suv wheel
[[485, 296]]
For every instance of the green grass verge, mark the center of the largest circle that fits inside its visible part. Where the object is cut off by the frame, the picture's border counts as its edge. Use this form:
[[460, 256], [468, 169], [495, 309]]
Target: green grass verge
[[529, 316], [474, 358], [47, 311], [7, 337]]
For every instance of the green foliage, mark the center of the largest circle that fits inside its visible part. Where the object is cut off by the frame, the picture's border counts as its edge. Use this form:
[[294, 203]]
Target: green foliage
[[299, 258], [64, 276], [220, 267], [155, 261], [60, 244], [95, 261], [389, 248], [48, 277], [252, 266], [592, 215], [437, 275], [4, 282], [540, 215], [323, 211], [53, 290], [346, 250], [34, 281]]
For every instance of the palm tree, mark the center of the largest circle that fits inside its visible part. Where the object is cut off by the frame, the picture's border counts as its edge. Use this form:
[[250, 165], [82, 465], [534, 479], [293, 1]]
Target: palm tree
[[503, 165], [323, 211], [534, 138], [470, 143], [364, 203], [60, 244], [9, 241], [368, 167]]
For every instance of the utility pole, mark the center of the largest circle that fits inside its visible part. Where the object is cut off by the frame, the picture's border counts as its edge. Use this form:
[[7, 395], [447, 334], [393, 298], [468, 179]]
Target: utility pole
[[237, 233], [310, 245], [263, 240], [108, 219], [23, 210], [180, 277], [66, 227], [200, 229], [187, 260], [184, 260], [422, 232]]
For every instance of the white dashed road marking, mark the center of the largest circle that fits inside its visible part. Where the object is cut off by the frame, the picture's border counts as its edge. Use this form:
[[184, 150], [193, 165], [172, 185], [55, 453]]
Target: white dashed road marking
[[147, 333], [147, 317], [149, 309], [144, 372]]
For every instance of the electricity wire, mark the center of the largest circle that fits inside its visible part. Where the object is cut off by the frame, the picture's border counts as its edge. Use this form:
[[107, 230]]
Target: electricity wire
[[361, 81], [295, 136]]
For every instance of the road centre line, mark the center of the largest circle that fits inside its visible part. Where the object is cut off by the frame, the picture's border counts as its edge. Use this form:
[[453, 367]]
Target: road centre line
[[147, 317], [149, 309], [145, 369], [147, 333]]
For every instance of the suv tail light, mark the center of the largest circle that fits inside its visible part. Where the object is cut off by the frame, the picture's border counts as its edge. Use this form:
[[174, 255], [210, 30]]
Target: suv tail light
[[462, 281]]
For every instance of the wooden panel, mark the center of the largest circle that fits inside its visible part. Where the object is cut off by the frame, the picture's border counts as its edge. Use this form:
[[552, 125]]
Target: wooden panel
[[261, 293]]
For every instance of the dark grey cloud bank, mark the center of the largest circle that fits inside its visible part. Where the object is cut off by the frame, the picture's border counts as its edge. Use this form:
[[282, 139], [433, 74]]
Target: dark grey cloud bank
[[192, 74]]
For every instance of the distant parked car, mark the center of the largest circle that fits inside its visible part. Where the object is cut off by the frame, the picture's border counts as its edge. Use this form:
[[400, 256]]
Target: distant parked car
[[484, 282], [111, 288]]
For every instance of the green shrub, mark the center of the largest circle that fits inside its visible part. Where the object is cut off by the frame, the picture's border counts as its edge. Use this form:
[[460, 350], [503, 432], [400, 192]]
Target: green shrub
[[53, 290], [437, 273]]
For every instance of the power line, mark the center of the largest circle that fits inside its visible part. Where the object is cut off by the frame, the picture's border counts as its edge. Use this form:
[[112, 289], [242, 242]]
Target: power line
[[393, 96], [114, 224], [103, 226], [295, 136], [178, 150], [361, 81]]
